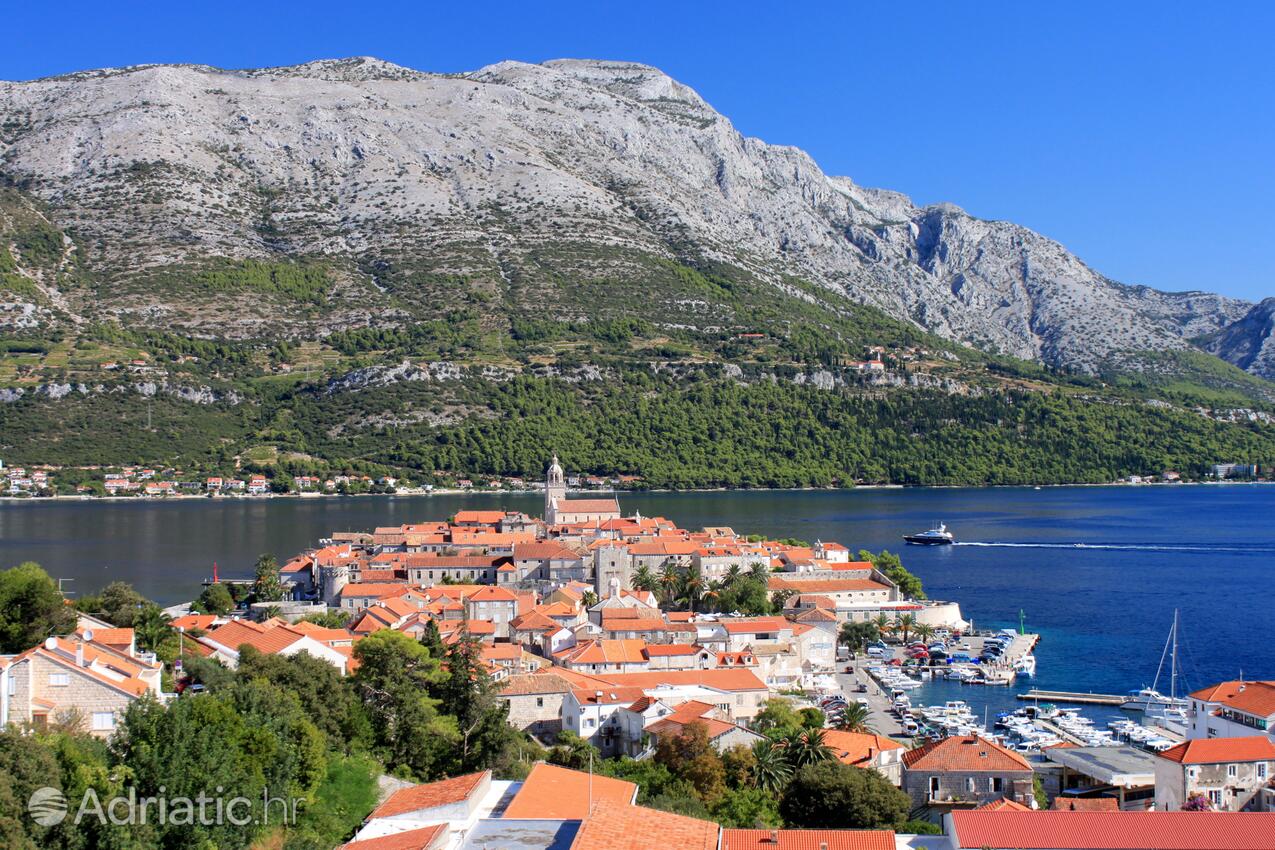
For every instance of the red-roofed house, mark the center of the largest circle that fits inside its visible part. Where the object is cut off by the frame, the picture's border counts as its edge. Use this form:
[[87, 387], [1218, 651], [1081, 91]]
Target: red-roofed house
[[1234, 709], [1231, 773], [559, 793], [420, 806], [614, 826], [965, 771], [722, 734], [71, 674], [861, 749]]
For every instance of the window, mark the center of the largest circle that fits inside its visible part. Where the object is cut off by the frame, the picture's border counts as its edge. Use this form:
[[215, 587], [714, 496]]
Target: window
[[60, 679], [969, 784], [1261, 769], [540, 702], [1232, 770], [588, 724], [103, 721], [1215, 797], [997, 784]]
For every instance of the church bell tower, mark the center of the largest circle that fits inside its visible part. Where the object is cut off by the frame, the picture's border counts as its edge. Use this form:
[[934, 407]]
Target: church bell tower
[[555, 491]]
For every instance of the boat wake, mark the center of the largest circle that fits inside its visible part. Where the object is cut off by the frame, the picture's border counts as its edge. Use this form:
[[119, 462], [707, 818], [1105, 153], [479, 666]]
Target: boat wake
[[1129, 547]]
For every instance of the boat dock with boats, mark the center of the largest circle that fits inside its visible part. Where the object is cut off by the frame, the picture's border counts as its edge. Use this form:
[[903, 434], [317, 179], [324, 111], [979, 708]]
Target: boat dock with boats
[[1037, 695]]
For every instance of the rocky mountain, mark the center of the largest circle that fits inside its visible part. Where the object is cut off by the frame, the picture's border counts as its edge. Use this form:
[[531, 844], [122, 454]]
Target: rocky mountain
[[298, 201], [1249, 342]]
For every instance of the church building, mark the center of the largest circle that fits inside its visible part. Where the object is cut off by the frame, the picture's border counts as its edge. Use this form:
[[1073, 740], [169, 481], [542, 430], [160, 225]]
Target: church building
[[559, 510]]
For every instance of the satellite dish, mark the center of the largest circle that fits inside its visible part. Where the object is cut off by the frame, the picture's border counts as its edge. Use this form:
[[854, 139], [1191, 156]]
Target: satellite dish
[[88, 635], [51, 643]]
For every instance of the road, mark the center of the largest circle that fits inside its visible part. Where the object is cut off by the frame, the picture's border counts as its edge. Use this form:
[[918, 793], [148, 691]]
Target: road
[[878, 701]]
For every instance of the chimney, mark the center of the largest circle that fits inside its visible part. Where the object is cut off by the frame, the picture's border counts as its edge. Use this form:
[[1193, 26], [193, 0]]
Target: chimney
[[774, 836], [79, 651]]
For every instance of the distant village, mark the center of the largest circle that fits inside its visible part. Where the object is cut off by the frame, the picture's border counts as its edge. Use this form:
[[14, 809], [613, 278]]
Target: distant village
[[576, 622], [46, 481]]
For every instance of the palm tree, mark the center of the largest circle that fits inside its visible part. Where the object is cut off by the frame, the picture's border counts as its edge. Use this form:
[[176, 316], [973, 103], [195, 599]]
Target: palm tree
[[807, 747], [924, 631], [643, 579], [905, 624], [732, 573], [712, 594], [692, 587], [759, 571], [856, 718], [772, 771], [882, 622], [668, 582]]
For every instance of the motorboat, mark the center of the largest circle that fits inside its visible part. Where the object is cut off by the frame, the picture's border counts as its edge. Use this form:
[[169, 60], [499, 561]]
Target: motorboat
[[937, 536]]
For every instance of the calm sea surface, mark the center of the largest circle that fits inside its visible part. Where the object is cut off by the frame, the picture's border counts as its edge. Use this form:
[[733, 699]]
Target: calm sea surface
[[1097, 571]]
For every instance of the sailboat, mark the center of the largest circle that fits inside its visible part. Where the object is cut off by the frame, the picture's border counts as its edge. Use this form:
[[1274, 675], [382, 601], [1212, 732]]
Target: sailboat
[[1150, 701]]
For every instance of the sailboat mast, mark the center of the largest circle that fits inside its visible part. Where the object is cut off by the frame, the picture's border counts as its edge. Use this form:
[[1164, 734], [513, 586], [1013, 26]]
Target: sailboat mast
[[1173, 674]]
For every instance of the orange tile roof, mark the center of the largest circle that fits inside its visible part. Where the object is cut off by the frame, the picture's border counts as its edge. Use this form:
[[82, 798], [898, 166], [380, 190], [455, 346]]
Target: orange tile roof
[[1218, 750], [1114, 830], [430, 795], [543, 552], [428, 838], [857, 747], [807, 839], [1256, 698], [320, 633], [632, 651], [966, 754], [193, 621], [110, 637], [1004, 805], [274, 640], [493, 594], [483, 517], [588, 506], [611, 695], [534, 621], [665, 650], [234, 633], [612, 826], [526, 684], [372, 589], [554, 792]]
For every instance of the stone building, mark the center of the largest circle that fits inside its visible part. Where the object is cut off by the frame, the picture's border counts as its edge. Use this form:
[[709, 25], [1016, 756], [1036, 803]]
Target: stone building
[[964, 771]]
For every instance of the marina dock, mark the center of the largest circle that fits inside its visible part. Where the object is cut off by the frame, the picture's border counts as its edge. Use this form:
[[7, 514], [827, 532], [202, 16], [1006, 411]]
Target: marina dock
[[1036, 695]]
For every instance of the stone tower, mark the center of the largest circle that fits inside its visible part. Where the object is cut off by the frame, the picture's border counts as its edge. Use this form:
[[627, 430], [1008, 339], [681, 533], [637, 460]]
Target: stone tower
[[555, 490]]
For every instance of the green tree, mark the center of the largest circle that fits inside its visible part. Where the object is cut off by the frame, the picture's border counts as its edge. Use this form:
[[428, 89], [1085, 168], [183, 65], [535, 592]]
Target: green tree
[[806, 748], [748, 808], [119, 604], [468, 693], [832, 795], [643, 579], [858, 635], [215, 599], [856, 718], [570, 750], [323, 693], [777, 719], [395, 678], [771, 771], [31, 608], [266, 585], [690, 756]]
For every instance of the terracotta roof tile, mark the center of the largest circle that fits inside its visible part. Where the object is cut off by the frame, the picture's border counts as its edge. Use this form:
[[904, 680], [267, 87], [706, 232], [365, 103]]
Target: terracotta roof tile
[[428, 838], [612, 826], [554, 792], [430, 795], [964, 753], [857, 747], [1218, 750], [807, 839]]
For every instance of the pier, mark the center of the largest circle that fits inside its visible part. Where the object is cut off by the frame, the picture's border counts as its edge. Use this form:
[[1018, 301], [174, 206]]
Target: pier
[[1036, 695]]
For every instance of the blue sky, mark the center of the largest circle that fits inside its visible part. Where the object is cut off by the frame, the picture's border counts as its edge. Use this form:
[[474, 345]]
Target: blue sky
[[1141, 136]]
